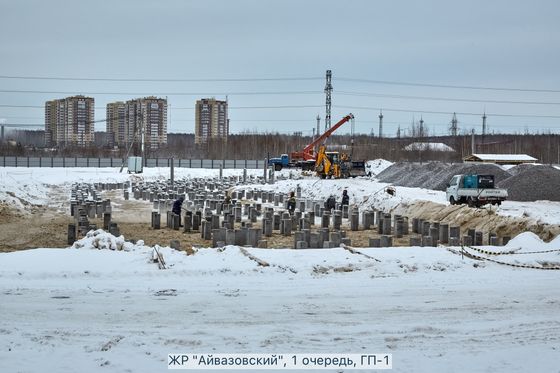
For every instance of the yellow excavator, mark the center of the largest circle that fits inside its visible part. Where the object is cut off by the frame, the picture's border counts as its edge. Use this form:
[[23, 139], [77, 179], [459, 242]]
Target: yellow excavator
[[335, 165], [332, 165]]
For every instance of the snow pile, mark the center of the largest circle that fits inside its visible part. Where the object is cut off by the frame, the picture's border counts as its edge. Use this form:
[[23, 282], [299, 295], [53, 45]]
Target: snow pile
[[433, 146], [376, 166], [526, 249], [528, 241], [19, 188], [102, 240]]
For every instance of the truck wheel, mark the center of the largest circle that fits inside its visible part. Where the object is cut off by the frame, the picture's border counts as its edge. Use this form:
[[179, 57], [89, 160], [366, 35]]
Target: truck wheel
[[471, 202], [277, 167], [452, 200]]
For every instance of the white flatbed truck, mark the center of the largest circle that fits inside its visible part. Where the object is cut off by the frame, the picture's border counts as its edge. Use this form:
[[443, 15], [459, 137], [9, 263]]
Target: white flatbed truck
[[474, 190]]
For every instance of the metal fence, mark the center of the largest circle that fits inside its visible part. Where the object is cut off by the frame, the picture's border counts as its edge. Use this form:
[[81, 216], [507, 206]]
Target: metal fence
[[6, 161]]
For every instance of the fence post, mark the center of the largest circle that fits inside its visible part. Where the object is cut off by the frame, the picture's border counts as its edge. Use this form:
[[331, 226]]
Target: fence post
[[87, 162], [99, 162], [52, 162], [27, 161], [75, 161], [245, 163], [40, 161], [111, 161], [200, 163], [63, 161], [179, 162]]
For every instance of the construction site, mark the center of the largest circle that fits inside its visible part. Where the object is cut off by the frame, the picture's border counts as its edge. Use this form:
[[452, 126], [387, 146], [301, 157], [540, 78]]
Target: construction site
[[246, 230], [260, 186]]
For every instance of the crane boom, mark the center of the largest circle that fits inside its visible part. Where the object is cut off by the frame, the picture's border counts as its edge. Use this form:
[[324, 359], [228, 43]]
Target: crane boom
[[308, 152]]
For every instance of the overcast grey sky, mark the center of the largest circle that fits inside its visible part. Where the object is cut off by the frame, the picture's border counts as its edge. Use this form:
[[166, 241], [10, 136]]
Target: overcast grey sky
[[463, 43]]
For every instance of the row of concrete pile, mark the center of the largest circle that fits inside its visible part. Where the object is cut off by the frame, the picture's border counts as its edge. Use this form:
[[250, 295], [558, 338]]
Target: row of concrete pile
[[233, 221], [86, 203], [224, 212]]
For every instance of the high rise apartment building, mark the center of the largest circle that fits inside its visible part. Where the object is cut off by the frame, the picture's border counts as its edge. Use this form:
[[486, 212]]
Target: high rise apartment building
[[116, 123], [69, 121], [128, 122], [211, 120]]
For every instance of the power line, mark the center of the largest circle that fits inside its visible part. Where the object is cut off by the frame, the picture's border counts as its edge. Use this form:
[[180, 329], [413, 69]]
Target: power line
[[389, 82], [23, 106], [260, 107], [490, 101], [243, 79], [449, 112], [187, 108], [165, 93], [336, 106]]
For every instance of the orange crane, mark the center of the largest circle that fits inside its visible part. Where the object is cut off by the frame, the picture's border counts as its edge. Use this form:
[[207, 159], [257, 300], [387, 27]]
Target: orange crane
[[308, 152], [306, 158]]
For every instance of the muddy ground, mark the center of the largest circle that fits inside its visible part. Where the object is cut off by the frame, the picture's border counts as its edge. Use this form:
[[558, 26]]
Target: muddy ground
[[42, 226]]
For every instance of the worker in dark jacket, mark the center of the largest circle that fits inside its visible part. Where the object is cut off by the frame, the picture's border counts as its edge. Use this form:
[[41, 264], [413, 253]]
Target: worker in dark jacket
[[177, 205], [330, 203], [345, 198], [292, 203]]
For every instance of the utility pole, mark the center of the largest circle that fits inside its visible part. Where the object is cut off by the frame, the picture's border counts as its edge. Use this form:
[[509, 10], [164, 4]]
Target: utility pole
[[399, 132], [328, 102], [454, 125], [483, 126], [380, 123], [421, 127], [472, 142], [2, 133], [318, 124]]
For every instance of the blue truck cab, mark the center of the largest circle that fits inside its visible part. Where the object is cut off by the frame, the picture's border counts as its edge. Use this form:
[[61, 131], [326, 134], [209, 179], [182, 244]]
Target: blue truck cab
[[279, 162]]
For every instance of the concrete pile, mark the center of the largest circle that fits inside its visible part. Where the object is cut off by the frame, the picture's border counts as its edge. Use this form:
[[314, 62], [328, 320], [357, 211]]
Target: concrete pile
[[86, 204]]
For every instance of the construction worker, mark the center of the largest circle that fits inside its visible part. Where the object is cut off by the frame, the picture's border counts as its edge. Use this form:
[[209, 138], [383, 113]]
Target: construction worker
[[345, 198], [227, 199], [292, 203], [330, 203], [177, 205]]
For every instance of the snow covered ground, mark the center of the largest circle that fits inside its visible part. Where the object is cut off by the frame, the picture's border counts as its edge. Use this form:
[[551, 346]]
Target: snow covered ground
[[84, 309], [433, 310]]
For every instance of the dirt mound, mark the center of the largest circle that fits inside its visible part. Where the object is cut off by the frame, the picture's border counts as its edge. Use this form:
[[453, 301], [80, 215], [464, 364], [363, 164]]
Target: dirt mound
[[8, 213], [435, 175], [532, 183], [484, 220], [43, 228]]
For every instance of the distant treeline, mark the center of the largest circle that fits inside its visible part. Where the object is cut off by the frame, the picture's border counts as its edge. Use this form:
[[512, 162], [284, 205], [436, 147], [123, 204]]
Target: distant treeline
[[544, 147]]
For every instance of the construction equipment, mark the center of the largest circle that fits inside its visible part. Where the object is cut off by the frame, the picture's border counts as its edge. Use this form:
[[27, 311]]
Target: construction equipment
[[306, 159], [335, 165], [327, 165]]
